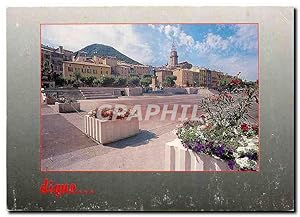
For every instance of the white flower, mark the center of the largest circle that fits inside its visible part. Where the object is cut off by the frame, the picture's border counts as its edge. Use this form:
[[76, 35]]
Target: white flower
[[235, 131], [246, 163]]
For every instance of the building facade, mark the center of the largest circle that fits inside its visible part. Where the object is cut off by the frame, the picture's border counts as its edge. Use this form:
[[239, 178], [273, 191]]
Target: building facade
[[120, 68], [185, 78], [86, 69], [55, 59], [140, 70], [161, 74], [215, 78]]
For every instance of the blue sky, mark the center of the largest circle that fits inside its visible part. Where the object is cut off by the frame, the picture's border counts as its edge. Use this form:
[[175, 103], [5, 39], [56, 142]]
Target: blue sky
[[227, 47]]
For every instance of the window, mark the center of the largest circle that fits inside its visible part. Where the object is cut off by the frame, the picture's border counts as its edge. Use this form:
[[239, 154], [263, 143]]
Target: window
[[70, 69]]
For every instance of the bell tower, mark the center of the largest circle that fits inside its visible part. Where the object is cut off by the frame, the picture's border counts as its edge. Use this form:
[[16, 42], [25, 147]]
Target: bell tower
[[173, 56]]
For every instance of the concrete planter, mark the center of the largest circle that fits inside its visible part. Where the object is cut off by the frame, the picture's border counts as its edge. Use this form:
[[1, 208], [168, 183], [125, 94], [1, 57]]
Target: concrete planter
[[50, 100], [107, 131], [178, 158], [67, 107]]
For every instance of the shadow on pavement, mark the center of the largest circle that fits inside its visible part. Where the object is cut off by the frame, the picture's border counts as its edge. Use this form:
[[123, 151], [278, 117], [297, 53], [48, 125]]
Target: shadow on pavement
[[142, 138]]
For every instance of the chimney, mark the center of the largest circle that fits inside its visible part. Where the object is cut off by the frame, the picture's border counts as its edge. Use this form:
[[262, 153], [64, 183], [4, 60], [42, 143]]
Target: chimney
[[60, 49]]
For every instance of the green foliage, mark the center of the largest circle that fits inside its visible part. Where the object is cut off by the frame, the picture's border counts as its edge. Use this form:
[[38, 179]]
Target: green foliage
[[106, 81], [60, 81], [134, 81], [46, 68], [89, 80], [147, 76], [170, 81], [83, 79], [120, 82], [76, 83], [77, 76], [146, 81]]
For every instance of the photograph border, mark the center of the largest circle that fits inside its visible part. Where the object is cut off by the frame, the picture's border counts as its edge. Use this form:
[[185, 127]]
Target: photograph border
[[156, 23]]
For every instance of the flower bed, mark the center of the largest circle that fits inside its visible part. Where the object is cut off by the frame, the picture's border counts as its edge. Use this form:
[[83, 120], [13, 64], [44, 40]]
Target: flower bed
[[112, 129], [224, 132]]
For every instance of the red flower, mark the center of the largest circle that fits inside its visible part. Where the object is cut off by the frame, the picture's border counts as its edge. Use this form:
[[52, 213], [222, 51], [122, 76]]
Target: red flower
[[255, 128], [244, 127]]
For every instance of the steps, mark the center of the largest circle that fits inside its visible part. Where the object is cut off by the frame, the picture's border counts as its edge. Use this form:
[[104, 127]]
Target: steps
[[97, 93]]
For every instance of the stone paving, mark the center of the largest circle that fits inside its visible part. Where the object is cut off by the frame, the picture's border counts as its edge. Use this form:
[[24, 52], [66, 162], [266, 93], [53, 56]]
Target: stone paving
[[66, 147]]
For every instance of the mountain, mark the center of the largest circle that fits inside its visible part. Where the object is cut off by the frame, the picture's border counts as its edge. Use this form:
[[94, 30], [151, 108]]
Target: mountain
[[104, 50]]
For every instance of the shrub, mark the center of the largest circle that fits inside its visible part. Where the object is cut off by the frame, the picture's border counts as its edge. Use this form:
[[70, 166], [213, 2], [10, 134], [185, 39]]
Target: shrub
[[134, 81], [120, 82], [106, 81], [170, 81], [60, 81], [146, 81], [89, 80]]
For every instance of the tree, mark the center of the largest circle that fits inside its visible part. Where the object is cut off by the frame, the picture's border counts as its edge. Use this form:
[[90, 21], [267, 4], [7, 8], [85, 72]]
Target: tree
[[170, 81], [134, 81], [120, 81], [60, 81], [146, 81], [46, 69], [77, 76], [147, 76], [89, 80], [106, 81]]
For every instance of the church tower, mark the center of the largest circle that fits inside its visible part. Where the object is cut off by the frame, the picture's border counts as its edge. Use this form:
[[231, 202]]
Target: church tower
[[173, 56]]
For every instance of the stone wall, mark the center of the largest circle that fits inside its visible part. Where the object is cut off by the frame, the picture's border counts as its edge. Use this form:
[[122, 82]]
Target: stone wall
[[134, 91], [175, 90], [117, 91], [192, 90], [71, 93]]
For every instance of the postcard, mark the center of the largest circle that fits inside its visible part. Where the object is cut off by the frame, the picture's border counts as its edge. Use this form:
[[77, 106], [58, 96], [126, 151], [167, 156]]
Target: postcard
[[124, 112]]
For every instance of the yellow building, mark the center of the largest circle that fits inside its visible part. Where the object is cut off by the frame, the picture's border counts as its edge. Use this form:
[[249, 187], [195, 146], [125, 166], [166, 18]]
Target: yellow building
[[85, 69], [185, 78], [203, 75], [162, 74], [140, 69]]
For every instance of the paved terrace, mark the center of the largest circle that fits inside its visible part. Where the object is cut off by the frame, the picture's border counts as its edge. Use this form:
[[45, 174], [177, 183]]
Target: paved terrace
[[66, 147]]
